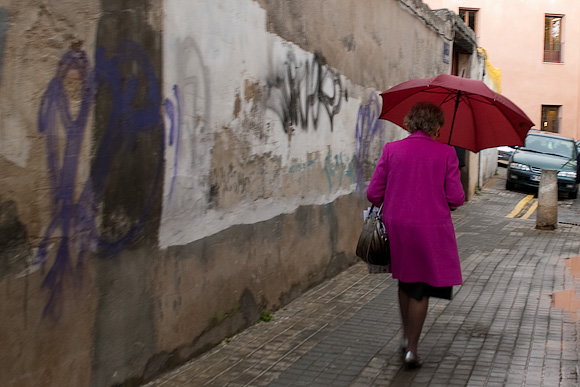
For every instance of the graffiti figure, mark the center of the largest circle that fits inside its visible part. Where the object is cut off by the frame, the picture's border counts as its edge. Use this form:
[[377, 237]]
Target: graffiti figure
[[74, 221], [188, 114], [367, 126], [304, 91]]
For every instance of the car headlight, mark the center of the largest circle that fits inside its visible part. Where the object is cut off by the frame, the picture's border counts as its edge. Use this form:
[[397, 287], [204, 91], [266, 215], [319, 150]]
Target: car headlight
[[521, 167], [570, 174]]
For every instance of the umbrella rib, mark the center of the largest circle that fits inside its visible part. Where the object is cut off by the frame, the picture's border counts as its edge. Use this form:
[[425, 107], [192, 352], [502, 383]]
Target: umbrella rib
[[465, 96], [450, 94], [450, 97], [412, 95], [469, 101]]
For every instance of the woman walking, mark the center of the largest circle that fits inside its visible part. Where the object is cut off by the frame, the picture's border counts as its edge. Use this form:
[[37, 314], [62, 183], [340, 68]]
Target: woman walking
[[417, 180]]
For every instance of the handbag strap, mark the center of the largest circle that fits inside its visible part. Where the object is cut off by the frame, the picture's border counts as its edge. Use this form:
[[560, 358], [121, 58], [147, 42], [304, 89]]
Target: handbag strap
[[380, 209]]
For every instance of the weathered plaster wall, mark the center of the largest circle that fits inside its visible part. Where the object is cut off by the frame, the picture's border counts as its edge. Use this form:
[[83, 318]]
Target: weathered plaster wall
[[262, 96], [366, 43], [169, 169]]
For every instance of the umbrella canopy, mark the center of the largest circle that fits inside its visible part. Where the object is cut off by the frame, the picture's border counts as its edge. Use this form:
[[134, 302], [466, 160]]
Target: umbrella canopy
[[476, 117]]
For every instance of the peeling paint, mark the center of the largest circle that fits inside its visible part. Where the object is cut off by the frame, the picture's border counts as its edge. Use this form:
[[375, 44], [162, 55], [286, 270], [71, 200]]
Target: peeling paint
[[252, 90], [238, 176]]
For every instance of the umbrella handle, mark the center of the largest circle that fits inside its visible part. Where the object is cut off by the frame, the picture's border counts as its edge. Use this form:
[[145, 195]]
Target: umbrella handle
[[454, 114]]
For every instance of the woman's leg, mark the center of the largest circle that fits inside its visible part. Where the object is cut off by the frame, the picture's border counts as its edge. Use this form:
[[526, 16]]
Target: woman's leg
[[416, 314], [404, 308]]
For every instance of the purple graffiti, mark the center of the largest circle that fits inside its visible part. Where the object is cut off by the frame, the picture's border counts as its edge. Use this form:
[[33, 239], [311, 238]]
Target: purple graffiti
[[367, 126], [77, 219], [66, 214], [174, 132]]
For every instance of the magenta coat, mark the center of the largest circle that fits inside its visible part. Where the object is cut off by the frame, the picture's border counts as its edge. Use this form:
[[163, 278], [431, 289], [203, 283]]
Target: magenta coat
[[418, 179]]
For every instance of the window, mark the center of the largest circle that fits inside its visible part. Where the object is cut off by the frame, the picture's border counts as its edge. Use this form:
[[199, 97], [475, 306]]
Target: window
[[551, 118], [553, 39], [469, 16]]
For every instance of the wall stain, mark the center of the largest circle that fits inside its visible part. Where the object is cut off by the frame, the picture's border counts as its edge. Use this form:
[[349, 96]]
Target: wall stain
[[243, 314], [128, 148], [252, 90], [348, 42], [238, 175], [237, 105], [15, 252]]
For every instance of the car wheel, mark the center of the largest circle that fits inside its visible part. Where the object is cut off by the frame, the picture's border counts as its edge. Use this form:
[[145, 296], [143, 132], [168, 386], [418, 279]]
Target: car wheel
[[509, 185], [573, 195]]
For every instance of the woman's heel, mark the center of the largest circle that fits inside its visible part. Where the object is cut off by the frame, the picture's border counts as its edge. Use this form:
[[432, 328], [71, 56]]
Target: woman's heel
[[411, 360]]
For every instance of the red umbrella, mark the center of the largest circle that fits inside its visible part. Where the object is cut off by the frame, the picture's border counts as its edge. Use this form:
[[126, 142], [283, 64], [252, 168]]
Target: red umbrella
[[476, 118]]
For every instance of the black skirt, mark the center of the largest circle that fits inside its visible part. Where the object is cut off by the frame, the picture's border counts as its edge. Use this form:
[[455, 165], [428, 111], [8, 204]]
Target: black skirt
[[418, 290]]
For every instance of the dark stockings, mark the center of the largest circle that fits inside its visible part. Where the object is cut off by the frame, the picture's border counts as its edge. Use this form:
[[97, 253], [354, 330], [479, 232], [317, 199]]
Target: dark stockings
[[413, 315]]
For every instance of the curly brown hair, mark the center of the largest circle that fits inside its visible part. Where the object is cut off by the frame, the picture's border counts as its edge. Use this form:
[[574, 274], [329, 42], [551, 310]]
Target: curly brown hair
[[426, 117]]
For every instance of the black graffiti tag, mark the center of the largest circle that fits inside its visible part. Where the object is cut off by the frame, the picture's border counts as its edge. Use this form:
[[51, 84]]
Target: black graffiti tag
[[301, 92]]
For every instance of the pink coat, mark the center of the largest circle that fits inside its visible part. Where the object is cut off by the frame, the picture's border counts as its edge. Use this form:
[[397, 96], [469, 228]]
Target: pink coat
[[418, 179]]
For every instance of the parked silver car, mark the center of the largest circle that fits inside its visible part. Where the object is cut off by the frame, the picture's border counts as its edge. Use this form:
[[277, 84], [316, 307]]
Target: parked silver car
[[503, 155]]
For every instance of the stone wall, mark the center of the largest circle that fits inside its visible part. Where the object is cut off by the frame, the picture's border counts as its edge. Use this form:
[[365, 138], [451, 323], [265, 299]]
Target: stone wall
[[170, 169]]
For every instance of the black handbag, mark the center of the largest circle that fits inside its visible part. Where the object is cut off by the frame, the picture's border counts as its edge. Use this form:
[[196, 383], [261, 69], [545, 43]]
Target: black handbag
[[373, 243]]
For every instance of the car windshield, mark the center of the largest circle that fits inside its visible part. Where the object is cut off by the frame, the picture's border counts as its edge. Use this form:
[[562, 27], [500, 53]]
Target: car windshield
[[550, 145]]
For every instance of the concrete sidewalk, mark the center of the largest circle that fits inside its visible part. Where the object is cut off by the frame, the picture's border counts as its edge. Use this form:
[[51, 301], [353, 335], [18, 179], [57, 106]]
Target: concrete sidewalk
[[513, 323]]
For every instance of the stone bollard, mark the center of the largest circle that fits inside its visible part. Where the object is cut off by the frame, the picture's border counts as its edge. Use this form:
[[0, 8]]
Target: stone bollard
[[547, 214]]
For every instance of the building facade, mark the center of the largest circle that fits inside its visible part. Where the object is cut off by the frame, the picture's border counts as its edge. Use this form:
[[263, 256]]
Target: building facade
[[536, 45]]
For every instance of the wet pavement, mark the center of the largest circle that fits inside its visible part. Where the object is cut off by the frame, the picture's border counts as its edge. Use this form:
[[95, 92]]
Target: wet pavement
[[514, 321]]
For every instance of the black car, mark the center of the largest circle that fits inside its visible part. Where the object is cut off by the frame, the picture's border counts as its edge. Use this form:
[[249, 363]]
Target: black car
[[545, 150]]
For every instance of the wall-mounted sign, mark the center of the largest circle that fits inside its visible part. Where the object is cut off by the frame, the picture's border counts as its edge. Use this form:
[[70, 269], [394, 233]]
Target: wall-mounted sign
[[446, 53]]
